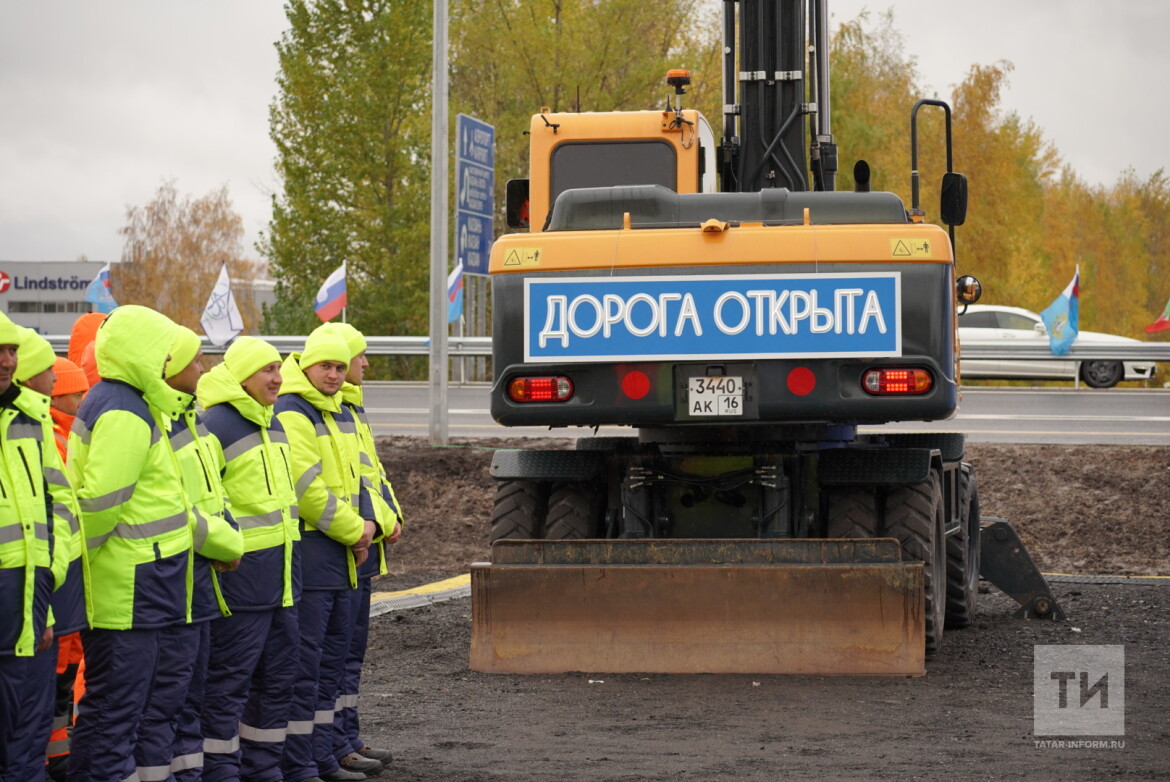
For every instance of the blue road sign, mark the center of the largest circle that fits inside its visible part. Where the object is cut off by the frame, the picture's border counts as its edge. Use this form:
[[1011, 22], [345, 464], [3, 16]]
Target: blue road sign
[[475, 141], [475, 180], [473, 241]]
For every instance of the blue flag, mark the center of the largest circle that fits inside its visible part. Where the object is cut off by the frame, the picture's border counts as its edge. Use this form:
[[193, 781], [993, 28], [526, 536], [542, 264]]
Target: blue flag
[[1061, 317], [98, 292]]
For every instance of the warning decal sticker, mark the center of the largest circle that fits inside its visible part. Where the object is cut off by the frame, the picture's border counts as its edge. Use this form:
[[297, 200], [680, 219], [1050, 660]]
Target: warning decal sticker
[[522, 256], [911, 248]]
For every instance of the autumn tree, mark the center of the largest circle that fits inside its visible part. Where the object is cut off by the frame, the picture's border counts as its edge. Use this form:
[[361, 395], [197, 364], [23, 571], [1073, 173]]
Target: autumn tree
[[174, 249], [351, 128], [873, 86]]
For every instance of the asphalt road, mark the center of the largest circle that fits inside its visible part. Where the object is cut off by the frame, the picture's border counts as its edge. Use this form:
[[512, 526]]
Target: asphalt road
[[1070, 416]]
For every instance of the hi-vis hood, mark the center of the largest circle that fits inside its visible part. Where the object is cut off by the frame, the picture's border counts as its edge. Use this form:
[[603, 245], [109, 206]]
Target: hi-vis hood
[[132, 347], [351, 394], [220, 385], [295, 382]]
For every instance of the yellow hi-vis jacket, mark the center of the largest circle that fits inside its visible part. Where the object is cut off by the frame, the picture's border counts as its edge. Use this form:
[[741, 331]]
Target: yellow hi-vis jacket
[[138, 529], [34, 549], [68, 601], [387, 511], [331, 501], [257, 476], [201, 462]]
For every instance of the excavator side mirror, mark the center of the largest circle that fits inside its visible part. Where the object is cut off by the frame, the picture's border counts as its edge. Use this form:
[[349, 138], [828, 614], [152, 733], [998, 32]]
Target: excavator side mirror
[[953, 199], [968, 290]]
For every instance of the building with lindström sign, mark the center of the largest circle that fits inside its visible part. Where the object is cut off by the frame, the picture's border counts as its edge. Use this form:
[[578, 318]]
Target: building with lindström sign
[[46, 295], [50, 295]]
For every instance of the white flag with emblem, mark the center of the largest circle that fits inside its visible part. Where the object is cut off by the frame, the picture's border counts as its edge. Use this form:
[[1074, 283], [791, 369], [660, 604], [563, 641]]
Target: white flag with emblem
[[221, 319]]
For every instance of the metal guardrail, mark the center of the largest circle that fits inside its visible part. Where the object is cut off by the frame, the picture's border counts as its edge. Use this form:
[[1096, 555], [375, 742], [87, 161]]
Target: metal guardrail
[[375, 346], [1122, 351], [482, 346]]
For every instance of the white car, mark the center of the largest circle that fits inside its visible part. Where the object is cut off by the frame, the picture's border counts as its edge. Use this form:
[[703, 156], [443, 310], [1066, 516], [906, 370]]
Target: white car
[[988, 322]]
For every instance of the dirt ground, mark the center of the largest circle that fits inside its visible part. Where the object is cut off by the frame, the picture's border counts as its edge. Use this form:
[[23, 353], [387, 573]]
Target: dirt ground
[[1080, 510]]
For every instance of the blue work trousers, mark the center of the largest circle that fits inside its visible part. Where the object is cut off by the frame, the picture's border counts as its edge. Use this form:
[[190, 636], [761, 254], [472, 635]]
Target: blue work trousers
[[178, 657], [250, 678], [135, 686], [326, 630], [346, 730], [27, 687], [187, 751]]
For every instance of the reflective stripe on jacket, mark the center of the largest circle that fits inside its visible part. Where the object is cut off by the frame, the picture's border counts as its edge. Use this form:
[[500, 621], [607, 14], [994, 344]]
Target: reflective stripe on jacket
[[387, 512], [32, 559], [257, 477], [216, 537], [331, 502], [137, 530]]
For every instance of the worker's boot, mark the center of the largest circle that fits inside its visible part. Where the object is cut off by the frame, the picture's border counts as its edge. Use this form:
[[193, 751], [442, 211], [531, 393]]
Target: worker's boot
[[383, 756], [344, 775]]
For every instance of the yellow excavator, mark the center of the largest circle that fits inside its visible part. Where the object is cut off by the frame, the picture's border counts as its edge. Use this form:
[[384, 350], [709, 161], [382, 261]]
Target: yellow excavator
[[743, 319]]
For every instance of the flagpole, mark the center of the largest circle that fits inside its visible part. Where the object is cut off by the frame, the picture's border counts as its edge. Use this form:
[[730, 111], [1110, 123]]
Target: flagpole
[[345, 275]]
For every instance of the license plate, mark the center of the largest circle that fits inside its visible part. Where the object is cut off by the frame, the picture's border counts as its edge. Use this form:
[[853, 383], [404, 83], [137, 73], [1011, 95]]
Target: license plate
[[715, 396]]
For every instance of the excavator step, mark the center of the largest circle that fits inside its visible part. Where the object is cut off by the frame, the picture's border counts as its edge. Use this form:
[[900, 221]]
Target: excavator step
[[789, 606]]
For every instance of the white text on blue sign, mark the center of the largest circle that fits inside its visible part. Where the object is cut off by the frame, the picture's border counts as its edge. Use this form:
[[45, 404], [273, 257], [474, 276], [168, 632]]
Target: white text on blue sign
[[686, 318]]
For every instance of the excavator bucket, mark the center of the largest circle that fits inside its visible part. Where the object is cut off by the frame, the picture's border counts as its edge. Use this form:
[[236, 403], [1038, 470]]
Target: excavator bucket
[[790, 606]]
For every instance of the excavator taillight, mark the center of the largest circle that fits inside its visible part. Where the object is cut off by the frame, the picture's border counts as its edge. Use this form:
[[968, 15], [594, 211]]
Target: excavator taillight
[[897, 382], [540, 389]]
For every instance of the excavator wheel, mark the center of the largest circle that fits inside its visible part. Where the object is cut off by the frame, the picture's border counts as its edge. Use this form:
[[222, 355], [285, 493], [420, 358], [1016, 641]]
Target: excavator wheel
[[574, 511], [915, 515], [852, 513], [519, 510], [963, 555]]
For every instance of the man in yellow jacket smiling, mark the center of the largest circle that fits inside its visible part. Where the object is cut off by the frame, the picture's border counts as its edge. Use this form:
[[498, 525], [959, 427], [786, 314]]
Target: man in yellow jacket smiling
[[253, 661]]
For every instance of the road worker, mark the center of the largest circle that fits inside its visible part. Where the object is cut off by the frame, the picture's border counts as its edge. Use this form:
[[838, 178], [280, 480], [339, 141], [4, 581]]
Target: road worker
[[139, 537], [349, 748], [200, 463], [253, 662], [37, 371], [33, 561], [68, 392], [337, 526]]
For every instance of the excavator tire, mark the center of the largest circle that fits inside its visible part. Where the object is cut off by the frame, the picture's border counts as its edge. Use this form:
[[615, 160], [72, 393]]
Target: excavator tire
[[519, 510], [852, 513], [963, 555], [574, 512], [915, 516]]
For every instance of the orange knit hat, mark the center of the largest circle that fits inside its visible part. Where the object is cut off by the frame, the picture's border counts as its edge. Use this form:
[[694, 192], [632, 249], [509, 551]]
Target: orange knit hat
[[70, 378]]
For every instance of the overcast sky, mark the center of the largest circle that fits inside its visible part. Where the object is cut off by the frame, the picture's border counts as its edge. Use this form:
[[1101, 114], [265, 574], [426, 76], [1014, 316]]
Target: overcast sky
[[102, 101]]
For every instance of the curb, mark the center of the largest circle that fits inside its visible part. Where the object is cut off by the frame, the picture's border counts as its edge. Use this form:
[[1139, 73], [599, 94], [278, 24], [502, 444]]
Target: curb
[[428, 594]]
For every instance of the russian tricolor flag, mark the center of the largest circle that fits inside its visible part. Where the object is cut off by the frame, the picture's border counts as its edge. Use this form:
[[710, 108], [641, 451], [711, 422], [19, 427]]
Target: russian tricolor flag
[[455, 293], [331, 298]]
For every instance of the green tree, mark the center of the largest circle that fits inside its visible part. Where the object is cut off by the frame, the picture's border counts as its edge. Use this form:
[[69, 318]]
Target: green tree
[[174, 249], [351, 128], [512, 57]]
